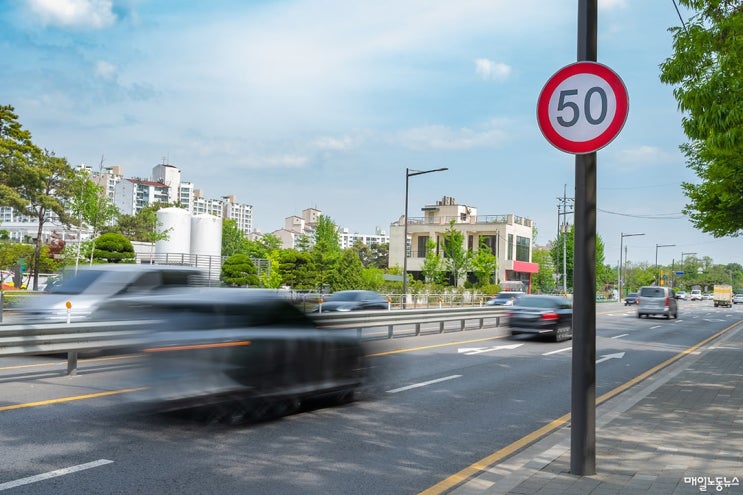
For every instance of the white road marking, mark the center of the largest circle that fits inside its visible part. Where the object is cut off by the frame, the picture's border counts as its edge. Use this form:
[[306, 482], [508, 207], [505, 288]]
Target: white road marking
[[655, 326], [620, 336], [558, 350], [469, 351], [606, 357], [423, 384], [53, 474]]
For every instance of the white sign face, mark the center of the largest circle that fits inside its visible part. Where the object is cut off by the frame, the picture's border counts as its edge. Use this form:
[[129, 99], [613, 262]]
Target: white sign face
[[582, 107]]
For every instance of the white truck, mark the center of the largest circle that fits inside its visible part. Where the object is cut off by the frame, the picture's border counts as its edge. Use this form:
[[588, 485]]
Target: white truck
[[722, 295]]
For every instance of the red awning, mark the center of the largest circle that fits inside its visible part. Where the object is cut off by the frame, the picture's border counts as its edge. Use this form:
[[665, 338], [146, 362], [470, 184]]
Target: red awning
[[525, 267]]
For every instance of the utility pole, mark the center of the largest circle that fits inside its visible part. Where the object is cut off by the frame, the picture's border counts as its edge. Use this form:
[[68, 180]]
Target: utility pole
[[562, 211]]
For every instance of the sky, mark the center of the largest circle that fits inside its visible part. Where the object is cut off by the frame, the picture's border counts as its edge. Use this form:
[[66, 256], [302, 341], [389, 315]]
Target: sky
[[295, 104]]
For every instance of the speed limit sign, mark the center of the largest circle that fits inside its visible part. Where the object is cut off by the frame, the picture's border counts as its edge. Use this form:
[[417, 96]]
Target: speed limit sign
[[582, 107]]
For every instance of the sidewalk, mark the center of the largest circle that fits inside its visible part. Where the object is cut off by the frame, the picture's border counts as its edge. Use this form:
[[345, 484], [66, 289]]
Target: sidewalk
[[678, 432]]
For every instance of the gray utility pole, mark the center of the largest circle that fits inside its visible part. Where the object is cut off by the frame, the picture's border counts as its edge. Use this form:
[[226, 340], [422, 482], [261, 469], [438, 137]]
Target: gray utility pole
[[562, 212], [583, 400]]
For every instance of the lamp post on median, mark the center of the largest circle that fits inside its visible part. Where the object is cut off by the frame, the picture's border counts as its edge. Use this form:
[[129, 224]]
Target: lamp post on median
[[408, 174], [620, 267], [656, 258]]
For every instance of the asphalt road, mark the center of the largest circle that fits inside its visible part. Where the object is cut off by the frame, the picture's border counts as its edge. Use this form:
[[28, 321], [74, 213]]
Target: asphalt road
[[435, 404]]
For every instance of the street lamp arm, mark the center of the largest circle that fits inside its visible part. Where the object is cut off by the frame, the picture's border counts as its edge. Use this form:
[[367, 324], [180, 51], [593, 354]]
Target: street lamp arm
[[411, 173]]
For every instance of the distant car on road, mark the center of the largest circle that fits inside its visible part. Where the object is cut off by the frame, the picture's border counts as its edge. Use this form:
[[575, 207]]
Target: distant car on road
[[738, 298], [681, 295], [353, 300], [707, 297], [656, 300], [630, 299], [505, 298], [695, 295], [542, 315]]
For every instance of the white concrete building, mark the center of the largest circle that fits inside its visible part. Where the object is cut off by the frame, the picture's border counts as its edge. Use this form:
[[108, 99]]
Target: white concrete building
[[509, 238]]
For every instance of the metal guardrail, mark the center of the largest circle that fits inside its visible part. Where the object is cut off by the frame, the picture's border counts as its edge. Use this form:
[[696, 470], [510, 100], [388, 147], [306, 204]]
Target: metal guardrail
[[50, 338]]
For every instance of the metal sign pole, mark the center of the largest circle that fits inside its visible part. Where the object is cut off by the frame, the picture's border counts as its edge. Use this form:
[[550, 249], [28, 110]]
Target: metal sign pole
[[583, 429]]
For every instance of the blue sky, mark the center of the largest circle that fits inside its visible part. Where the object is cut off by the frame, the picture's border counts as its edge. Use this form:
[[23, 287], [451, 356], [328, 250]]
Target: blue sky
[[291, 104]]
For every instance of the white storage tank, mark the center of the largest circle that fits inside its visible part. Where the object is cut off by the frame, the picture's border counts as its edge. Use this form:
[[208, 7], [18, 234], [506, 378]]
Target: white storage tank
[[206, 235], [177, 223]]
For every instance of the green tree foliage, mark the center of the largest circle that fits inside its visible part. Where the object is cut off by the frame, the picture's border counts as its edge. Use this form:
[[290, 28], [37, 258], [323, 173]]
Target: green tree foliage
[[347, 272], [457, 258], [271, 278], [297, 269], [433, 269], [326, 250], [706, 70], [544, 280], [233, 239], [604, 274], [17, 151], [238, 271], [112, 247], [484, 264], [262, 247]]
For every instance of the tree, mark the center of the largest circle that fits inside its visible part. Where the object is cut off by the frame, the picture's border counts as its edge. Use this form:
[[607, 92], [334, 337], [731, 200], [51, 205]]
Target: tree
[[297, 269], [112, 247], [458, 260], [233, 239], [484, 264], [433, 266], [326, 249], [602, 272], [238, 271], [706, 71], [16, 152], [271, 278], [544, 280]]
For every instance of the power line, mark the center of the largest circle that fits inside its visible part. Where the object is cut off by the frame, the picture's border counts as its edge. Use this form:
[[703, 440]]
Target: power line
[[657, 216], [680, 18]]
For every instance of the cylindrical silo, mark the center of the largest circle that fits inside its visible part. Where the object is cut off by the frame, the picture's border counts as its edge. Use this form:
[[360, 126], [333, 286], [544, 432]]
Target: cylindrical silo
[[206, 235], [176, 223]]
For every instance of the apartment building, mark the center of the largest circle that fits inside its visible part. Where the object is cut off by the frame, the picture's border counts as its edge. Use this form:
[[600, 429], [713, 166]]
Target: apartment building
[[508, 236], [348, 239]]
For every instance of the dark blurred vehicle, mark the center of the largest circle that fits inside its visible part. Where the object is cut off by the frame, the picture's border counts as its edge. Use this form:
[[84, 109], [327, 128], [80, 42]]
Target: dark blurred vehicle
[[630, 299], [505, 299], [353, 300], [92, 285], [241, 349], [542, 315]]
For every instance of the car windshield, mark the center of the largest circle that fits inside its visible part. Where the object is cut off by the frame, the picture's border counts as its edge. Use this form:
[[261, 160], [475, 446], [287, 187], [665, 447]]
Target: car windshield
[[652, 292], [538, 302], [507, 295], [346, 296], [76, 284]]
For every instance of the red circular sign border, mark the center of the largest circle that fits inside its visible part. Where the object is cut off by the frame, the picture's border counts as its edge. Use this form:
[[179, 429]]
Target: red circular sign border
[[620, 116]]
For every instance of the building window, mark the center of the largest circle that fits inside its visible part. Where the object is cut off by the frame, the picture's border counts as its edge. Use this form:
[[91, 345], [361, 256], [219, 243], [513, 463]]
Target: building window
[[510, 247], [422, 241], [522, 248]]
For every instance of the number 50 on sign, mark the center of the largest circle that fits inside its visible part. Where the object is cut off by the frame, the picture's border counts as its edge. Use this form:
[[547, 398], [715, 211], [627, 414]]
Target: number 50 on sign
[[582, 107]]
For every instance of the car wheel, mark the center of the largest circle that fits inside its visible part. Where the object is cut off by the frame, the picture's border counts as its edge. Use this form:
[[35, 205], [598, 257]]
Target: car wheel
[[639, 315]]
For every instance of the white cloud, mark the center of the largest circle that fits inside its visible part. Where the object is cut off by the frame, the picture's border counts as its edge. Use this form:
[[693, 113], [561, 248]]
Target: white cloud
[[644, 155], [493, 71], [105, 70], [612, 4], [439, 137], [95, 14], [334, 143]]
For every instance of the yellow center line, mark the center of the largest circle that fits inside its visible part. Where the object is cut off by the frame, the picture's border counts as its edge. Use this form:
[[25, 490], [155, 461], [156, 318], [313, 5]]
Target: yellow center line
[[474, 469], [70, 399]]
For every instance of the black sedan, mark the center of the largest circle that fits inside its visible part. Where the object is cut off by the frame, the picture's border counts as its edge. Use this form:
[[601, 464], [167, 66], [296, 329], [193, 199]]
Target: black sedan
[[244, 350], [353, 300], [542, 315], [630, 299]]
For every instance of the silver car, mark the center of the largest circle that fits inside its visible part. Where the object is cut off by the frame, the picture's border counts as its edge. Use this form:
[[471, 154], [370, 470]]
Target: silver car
[[656, 300]]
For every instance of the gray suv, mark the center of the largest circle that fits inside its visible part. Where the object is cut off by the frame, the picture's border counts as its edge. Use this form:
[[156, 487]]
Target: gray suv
[[656, 300]]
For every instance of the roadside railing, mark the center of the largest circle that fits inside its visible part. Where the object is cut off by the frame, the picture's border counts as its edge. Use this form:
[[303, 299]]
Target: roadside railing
[[75, 337]]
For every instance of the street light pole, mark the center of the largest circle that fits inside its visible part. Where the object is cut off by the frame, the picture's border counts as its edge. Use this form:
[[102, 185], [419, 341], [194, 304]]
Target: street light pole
[[620, 268], [656, 258], [408, 174]]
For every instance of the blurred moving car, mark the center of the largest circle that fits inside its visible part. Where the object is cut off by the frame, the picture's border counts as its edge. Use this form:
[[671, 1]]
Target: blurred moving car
[[505, 298], [92, 285], [630, 299], [695, 295], [353, 300], [542, 315], [656, 300], [738, 298], [242, 349]]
